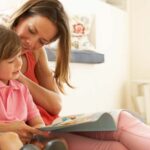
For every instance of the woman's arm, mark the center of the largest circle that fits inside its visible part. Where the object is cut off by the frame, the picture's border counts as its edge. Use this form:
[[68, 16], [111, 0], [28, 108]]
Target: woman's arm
[[36, 122], [46, 94]]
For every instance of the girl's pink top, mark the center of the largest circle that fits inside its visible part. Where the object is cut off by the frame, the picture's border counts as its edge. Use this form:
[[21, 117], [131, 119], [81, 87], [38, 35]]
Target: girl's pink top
[[16, 103]]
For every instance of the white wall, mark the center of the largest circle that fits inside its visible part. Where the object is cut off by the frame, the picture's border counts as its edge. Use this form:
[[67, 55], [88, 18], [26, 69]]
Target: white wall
[[8, 4], [139, 15], [102, 86], [139, 41]]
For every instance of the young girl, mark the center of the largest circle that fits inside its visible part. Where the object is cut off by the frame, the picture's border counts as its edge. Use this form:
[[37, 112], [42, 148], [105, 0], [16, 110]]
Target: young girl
[[16, 104]]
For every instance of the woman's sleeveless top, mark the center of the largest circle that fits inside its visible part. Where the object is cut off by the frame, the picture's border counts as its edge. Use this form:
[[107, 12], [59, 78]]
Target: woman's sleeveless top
[[30, 73]]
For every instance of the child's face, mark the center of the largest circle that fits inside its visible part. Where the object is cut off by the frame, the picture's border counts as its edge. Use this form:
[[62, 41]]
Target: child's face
[[10, 68]]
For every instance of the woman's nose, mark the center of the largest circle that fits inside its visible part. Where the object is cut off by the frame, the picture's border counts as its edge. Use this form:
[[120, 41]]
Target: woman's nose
[[31, 43], [27, 44]]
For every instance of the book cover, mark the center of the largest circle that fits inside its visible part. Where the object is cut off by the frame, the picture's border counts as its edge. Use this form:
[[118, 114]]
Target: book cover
[[98, 121]]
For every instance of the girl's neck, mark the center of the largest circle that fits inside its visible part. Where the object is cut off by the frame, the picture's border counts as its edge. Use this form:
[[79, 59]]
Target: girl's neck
[[5, 82]]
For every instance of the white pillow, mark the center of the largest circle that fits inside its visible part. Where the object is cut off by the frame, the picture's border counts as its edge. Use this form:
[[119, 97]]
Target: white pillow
[[5, 15], [80, 26]]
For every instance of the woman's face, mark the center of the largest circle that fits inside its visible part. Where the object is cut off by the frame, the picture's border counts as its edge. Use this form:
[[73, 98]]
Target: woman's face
[[35, 32]]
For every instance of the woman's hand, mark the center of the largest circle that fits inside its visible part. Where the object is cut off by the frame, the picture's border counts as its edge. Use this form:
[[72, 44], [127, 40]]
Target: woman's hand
[[24, 131], [21, 77]]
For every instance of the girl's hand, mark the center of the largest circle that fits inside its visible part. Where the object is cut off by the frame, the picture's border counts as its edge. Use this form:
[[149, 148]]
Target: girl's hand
[[24, 131]]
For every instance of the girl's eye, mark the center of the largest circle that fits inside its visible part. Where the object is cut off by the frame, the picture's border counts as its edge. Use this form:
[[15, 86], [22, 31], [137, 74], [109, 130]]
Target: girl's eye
[[13, 59], [10, 61], [19, 55]]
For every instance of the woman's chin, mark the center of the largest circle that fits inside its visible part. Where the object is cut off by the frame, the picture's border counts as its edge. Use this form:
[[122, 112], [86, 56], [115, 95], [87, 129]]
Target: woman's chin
[[24, 51]]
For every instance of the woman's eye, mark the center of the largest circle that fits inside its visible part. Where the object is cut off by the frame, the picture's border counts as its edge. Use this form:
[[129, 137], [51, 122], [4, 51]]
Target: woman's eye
[[42, 43], [31, 31]]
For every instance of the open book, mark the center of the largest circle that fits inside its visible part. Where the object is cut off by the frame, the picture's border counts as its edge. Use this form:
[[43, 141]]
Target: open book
[[98, 121]]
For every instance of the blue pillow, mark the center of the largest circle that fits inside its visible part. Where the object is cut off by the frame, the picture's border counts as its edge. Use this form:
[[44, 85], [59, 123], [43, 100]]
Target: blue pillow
[[79, 56]]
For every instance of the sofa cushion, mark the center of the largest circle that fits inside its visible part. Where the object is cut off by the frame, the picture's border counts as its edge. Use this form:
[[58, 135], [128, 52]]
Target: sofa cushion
[[82, 56]]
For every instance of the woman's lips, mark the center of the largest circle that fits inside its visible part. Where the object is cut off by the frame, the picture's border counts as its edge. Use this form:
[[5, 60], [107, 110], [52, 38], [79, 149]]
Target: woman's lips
[[25, 47]]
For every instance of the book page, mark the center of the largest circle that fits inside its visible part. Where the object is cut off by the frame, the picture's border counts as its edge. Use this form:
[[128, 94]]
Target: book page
[[76, 119]]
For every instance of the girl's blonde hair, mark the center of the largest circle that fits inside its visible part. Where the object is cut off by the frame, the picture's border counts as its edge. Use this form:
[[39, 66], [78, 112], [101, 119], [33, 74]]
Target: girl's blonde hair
[[10, 43], [54, 11]]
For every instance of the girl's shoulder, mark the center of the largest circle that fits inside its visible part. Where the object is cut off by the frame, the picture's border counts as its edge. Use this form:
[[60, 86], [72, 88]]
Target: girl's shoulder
[[18, 85]]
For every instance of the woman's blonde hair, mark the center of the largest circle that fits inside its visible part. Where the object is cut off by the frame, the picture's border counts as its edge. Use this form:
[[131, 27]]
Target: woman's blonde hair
[[10, 43], [54, 11]]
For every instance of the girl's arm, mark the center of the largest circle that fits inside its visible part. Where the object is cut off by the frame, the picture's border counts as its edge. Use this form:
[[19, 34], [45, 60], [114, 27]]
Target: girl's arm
[[46, 94], [24, 131]]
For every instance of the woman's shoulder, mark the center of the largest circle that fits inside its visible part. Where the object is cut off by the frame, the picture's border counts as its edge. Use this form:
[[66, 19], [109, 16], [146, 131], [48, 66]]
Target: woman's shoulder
[[38, 53]]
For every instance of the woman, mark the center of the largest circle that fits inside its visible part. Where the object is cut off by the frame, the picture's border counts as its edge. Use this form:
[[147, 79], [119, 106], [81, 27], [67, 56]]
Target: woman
[[37, 23]]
